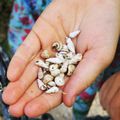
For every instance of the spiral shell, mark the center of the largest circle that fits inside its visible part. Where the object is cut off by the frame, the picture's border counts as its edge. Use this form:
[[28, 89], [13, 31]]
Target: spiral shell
[[59, 80], [57, 46]]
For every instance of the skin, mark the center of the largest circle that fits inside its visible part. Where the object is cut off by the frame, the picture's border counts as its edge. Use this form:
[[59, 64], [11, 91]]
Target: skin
[[110, 96], [99, 25]]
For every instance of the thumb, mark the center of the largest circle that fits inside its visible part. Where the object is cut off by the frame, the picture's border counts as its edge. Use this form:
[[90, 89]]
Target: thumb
[[86, 72]]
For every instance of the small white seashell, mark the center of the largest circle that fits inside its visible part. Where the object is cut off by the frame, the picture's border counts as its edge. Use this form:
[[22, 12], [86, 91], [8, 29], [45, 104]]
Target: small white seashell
[[51, 83], [57, 45], [59, 80], [74, 34], [71, 69], [41, 85], [55, 72], [53, 89], [70, 44], [41, 64], [55, 60], [47, 78], [75, 59], [40, 74], [45, 54], [53, 67], [63, 69]]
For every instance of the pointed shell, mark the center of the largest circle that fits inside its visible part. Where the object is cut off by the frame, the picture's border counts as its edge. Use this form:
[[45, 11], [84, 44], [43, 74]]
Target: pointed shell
[[47, 78], [71, 69], [41, 64], [70, 44], [75, 59], [41, 85], [40, 74], [59, 80], [57, 46], [53, 89], [55, 60], [74, 34], [45, 54]]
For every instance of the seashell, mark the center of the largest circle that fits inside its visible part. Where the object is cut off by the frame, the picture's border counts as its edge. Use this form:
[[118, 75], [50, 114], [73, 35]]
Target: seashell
[[74, 34], [65, 48], [45, 54], [59, 80], [41, 64], [41, 85], [71, 69], [57, 46], [53, 89], [70, 44], [63, 69], [40, 74], [75, 59], [47, 78], [53, 67], [55, 72], [55, 60], [51, 83]]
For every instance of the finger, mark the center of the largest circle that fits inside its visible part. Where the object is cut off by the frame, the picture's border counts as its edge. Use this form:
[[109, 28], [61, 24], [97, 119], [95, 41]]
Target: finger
[[27, 51], [113, 89], [114, 107], [85, 73], [42, 104], [16, 89], [17, 109], [105, 90]]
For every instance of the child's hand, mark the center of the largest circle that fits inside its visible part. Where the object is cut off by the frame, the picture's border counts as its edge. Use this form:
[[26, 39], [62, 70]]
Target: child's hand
[[110, 96], [99, 25]]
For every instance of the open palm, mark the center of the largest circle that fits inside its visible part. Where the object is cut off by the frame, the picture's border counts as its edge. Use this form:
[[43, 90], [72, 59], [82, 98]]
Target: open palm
[[99, 25]]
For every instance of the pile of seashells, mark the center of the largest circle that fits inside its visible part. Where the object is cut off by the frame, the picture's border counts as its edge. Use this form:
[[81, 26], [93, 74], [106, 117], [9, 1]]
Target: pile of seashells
[[53, 70]]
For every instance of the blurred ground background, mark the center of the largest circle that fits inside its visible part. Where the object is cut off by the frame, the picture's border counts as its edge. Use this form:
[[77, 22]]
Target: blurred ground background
[[61, 112]]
